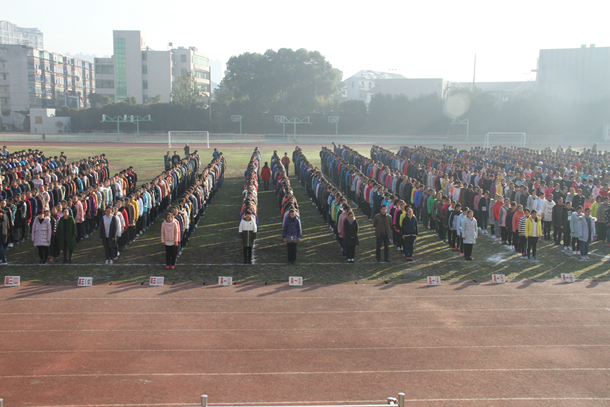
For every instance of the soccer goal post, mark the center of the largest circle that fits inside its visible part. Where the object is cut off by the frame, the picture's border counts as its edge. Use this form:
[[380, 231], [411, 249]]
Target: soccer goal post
[[192, 138], [506, 138]]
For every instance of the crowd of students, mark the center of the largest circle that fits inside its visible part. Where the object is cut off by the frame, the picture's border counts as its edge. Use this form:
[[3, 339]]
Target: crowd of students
[[184, 215], [248, 218], [448, 191], [57, 205]]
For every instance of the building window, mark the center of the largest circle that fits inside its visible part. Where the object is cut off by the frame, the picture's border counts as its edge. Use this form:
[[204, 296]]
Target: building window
[[199, 60], [144, 56], [120, 58], [99, 83], [38, 119], [182, 71], [144, 84], [183, 58], [145, 69], [105, 69]]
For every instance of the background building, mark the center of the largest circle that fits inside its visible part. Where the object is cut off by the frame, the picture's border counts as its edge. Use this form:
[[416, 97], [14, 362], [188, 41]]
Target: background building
[[575, 75], [11, 34], [35, 78], [360, 86], [137, 71], [45, 121]]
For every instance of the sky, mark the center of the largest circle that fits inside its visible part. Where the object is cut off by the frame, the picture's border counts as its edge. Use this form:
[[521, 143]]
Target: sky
[[418, 39]]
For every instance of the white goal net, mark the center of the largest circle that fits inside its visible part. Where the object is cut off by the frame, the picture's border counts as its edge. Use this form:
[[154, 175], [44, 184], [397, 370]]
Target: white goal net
[[505, 139], [192, 138]]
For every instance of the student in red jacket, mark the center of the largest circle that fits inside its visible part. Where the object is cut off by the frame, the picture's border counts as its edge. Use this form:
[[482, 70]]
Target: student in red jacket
[[266, 175]]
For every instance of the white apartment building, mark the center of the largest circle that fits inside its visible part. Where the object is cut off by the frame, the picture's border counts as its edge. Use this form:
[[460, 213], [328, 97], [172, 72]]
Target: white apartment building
[[11, 34], [360, 86], [35, 78], [137, 71]]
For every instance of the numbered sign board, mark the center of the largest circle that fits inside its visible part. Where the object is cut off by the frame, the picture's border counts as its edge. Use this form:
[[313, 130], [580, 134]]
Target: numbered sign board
[[567, 277], [156, 281], [12, 281], [434, 280], [498, 278], [225, 280], [295, 280], [85, 281]]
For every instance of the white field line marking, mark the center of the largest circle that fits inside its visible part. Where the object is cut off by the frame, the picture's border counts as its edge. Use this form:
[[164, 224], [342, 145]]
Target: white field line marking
[[347, 372], [389, 328], [302, 312], [306, 349]]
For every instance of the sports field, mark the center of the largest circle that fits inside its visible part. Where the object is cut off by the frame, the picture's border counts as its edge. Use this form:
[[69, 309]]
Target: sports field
[[353, 333], [215, 250]]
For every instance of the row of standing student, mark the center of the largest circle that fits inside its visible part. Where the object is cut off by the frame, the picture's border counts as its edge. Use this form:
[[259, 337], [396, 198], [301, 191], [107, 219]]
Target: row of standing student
[[330, 203], [183, 217], [248, 216], [289, 208]]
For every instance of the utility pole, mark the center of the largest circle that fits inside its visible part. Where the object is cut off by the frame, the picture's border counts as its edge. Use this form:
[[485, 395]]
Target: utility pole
[[474, 72]]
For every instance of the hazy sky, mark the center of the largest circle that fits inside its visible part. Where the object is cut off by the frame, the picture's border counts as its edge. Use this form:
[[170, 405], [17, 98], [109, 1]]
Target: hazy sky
[[418, 39]]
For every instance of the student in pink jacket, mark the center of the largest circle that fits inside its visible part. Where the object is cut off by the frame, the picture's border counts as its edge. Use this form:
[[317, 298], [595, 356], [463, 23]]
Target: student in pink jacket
[[79, 217], [170, 237]]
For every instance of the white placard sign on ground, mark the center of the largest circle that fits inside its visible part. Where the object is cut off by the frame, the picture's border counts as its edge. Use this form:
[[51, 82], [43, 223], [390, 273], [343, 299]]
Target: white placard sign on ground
[[85, 281], [225, 280], [498, 278], [156, 281], [567, 277], [295, 280], [12, 281], [434, 280]]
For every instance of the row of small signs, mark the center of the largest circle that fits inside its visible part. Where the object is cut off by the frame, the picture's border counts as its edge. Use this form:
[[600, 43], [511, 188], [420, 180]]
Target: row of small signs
[[13, 281], [501, 279]]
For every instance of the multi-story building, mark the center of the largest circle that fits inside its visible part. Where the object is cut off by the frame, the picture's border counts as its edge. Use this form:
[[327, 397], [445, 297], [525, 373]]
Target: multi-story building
[[11, 34], [360, 86], [35, 78], [579, 75], [137, 71]]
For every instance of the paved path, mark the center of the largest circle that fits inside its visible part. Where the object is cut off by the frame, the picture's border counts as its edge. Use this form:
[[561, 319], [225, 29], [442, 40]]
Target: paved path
[[523, 343]]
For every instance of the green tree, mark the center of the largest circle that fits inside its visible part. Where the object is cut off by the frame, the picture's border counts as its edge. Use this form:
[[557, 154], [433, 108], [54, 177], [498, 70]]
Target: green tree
[[292, 83], [98, 100], [154, 99], [186, 91]]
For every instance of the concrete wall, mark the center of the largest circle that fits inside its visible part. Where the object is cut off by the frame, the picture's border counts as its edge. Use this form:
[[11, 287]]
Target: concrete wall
[[45, 121]]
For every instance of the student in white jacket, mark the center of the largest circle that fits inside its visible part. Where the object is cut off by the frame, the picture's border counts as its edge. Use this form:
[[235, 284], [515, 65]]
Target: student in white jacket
[[547, 217]]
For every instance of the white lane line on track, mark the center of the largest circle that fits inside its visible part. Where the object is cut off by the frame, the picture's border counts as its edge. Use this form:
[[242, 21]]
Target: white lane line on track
[[346, 372], [385, 328], [303, 312], [308, 349], [360, 298], [339, 402]]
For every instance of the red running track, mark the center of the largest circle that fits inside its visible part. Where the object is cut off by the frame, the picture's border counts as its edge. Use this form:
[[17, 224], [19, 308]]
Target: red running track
[[523, 343]]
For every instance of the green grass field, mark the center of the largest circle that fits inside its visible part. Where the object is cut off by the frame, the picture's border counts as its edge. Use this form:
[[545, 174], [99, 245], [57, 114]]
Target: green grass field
[[215, 250]]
